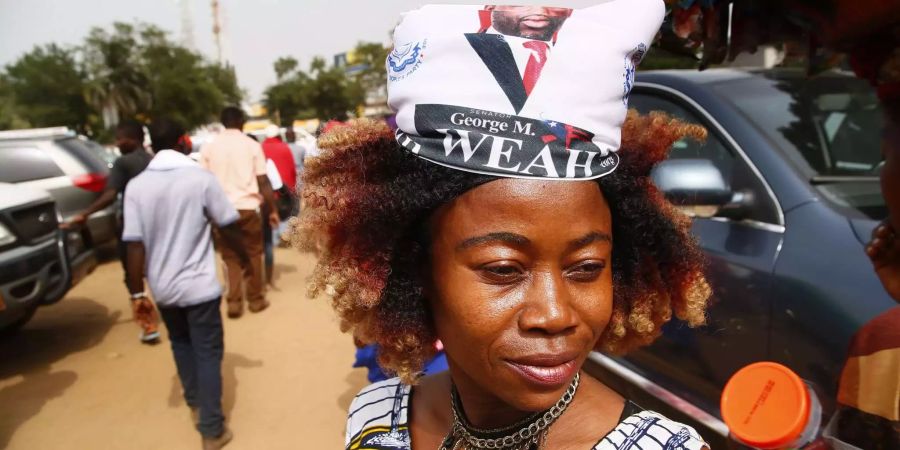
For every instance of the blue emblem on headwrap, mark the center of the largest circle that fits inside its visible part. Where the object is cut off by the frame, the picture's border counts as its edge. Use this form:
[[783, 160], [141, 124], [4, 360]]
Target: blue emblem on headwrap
[[404, 56], [631, 63]]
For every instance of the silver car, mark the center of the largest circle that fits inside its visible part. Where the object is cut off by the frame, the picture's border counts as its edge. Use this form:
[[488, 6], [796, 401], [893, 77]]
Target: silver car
[[65, 165], [35, 268]]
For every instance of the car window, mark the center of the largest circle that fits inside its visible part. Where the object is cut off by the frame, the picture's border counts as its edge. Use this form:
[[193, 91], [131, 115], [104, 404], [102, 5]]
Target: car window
[[827, 127], [734, 169], [108, 156], [828, 124], [20, 164], [85, 155], [712, 149]]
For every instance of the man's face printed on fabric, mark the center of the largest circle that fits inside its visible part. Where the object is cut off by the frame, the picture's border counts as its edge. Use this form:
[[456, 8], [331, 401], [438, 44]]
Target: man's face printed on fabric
[[530, 22]]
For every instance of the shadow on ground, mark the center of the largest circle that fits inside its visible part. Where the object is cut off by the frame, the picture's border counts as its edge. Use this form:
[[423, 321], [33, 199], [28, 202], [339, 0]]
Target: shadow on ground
[[230, 363], [282, 269], [24, 400], [355, 379], [71, 326]]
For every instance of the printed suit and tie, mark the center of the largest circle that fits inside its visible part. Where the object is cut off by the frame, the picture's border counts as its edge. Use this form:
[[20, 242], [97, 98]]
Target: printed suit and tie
[[530, 29], [495, 52]]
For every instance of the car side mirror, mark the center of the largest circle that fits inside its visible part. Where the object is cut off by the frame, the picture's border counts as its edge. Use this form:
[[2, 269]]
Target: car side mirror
[[698, 188]]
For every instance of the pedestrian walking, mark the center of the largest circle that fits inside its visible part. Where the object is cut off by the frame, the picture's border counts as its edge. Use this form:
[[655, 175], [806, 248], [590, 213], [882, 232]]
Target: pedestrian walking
[[168, 214], [268, 233], [299, 152], [134, 159], [280, 153], [239, 164]]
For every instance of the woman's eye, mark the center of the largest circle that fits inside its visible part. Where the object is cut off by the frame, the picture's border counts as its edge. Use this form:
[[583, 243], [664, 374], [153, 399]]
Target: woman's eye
[[503, 273], [587, 271]]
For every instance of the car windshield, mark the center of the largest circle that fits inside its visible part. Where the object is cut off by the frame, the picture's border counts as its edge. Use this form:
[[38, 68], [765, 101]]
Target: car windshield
[[828, 126], [85, 154], [107, 155]]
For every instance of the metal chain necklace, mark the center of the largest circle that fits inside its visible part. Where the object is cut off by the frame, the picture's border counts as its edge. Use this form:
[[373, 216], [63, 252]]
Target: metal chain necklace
[[528, 434]]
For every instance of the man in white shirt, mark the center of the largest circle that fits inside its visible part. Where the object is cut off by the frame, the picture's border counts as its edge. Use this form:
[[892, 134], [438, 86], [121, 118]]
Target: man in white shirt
[[169, 209]]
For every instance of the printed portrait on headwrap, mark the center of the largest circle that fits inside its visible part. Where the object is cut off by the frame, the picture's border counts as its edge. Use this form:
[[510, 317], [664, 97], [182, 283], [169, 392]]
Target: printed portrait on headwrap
[[529, 22], [520, 91], [515, 43]]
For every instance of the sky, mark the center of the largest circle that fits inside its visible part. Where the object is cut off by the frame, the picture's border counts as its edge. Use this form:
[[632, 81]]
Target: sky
[[255, 32]]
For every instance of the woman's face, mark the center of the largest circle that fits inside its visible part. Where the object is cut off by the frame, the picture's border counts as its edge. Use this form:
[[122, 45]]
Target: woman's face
[[521, 286]]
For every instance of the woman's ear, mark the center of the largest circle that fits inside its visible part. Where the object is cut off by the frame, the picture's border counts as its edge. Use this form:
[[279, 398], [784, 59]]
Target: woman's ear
[[427, 280], [429, 291], [422, 243]]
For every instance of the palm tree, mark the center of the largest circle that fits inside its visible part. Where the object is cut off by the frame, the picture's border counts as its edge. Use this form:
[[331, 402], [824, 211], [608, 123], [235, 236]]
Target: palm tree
[[117, 87]]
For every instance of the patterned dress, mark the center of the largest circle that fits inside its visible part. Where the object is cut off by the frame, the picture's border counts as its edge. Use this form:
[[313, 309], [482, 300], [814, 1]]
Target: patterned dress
[[379, 420]]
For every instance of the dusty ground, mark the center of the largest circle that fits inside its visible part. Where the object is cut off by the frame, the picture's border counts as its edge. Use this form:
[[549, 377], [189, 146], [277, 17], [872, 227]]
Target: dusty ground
[[76, 376]]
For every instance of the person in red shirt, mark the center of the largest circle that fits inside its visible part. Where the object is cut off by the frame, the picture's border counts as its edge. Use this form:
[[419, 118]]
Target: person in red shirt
[[277, 151], [280, 154]]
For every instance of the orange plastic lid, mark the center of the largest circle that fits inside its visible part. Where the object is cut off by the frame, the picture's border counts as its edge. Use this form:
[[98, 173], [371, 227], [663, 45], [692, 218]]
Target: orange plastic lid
[[766, 405]]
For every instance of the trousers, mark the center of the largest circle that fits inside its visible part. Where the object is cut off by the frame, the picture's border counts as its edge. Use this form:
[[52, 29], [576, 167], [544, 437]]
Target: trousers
[[250, 280], [198, 346]]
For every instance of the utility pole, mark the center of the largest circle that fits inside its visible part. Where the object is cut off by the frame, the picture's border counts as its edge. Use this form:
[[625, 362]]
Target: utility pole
[[217, 29], [187, 25]]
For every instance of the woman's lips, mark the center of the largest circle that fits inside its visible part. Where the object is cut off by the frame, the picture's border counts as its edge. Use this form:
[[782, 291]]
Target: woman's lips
[[546, 371]]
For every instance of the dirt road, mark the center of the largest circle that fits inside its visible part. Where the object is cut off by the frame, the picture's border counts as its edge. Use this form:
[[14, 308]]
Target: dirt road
[[76, 377]]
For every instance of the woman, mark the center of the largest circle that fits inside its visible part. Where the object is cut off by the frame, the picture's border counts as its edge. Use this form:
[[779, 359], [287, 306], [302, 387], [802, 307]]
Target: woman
[[429, 235]]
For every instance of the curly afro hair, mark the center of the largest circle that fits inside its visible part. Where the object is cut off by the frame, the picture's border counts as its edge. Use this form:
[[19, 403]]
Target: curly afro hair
[[367, 202]]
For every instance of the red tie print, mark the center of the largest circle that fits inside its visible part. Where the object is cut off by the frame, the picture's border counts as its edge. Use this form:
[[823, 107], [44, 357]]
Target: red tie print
[[535, 63]]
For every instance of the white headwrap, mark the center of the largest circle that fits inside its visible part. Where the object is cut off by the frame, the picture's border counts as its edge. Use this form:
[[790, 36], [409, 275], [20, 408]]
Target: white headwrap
[[528, 93]]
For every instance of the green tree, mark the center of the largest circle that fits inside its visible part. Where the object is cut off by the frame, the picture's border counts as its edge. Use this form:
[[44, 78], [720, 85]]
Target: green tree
[[9, 115], [179, 84], [225, 80], [118, 84], [123, 71], [373, 56], [317, 64], [48, 85], [332, 94], [324, 93], [284, 66], [288, 99], [137, 71]]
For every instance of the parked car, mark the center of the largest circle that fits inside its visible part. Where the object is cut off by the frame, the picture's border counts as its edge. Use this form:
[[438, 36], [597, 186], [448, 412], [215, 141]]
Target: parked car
[[784, 195], [38, 261], [107, 153], [67, 166]]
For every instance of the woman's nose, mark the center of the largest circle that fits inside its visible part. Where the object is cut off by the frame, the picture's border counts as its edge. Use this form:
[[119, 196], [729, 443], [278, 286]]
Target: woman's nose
[[547, 307]]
